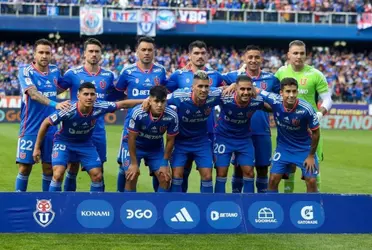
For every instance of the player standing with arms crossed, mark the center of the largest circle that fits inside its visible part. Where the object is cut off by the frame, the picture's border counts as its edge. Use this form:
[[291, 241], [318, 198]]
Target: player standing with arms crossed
[[39, 87], [104, 82], [260, 124], [293, 118], [75, 135], [311, 85], [137, 80]]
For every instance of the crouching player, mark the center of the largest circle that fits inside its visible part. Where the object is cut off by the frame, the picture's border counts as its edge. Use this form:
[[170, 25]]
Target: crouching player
[[143, 139], [74, 139], [233, 135], [293, 118]]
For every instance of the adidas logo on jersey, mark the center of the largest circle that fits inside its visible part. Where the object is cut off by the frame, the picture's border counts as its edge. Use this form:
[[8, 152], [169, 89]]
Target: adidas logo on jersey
[[182, 216], [85, 124], [198, 112], [241, 113], [147, 80]]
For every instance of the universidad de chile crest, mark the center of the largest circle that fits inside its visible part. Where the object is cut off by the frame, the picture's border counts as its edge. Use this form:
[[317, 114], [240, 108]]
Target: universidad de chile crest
[[44, 215], [146, 22]]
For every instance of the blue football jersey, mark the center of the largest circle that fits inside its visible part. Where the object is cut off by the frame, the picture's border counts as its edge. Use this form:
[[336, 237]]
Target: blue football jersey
[[77, 127], [183, 78], [235, 120], [193, 118], [260, 121], [150, 131], [292, 125], [103, 81], [32, 112], [138, 82]]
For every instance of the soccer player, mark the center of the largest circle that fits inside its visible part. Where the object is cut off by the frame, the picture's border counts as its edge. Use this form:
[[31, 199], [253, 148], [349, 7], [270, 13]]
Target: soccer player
[[293, 118], [233, 134], [143, 139], [103, 79], [39, 87], [312, 84], [260, 125], [137, 80], [183, 78], [75, 135], [194, 106]]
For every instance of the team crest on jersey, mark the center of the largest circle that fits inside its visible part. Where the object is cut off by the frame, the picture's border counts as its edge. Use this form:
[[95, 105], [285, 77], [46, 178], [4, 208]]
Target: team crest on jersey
[[303, 81], [210, 81], [263, 85], [93, 122], [156, 80], [22, 155], [162, 129], [55, 154], [126, 163], [207, 111], [55, 81], [295, 122], [44, 215], [102, 84]]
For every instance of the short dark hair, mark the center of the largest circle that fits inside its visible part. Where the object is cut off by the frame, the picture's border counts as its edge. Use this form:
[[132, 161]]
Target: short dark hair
[[145, 39], [252, 47], [201, 75], [297, 43], [243, 78], [198, 44], [43, 41], [288, 81], [86, 85], [159, 92], [92, 41]]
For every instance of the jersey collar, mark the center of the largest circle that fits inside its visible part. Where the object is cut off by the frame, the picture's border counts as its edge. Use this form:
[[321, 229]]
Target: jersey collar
[[92, 74], [254, 77], [41, 73], [81, 114], [145, 71], [188, 67], [294, 106], [152, 118]]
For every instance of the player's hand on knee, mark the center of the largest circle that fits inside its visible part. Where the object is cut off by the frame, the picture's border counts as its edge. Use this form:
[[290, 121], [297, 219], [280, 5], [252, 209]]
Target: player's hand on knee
[[164, 174], [146, 104], [36, 155], [309, 163], [63, 105], [132, 172]]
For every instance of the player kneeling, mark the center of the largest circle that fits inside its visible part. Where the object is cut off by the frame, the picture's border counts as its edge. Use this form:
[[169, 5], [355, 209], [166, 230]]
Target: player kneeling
[[75, 136], [293, 118], [143, 139]]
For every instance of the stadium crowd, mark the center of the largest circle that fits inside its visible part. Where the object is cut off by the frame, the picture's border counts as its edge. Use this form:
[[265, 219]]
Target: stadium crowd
[[348, 74], [358, 6]]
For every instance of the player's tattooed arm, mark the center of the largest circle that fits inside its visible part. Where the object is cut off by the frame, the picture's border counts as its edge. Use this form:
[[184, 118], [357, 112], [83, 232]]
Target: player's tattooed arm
[[36, 96], [40, 137]]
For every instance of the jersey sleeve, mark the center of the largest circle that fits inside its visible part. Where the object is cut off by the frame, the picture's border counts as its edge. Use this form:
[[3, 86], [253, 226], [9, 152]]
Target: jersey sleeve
[[134, 123], [122, 83], [276, 85], [25, 80], [112, 93], [59, 116], [108, 107], [270, 98], [66, 81], [229, 78], [172, 100], [312, 119], [172, 82], [321, 83], [173, 127], [163, 78], [220, 80], [217, 94]]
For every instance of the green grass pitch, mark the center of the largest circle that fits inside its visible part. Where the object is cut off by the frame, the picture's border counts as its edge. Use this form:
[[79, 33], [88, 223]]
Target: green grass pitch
[[346, 169]]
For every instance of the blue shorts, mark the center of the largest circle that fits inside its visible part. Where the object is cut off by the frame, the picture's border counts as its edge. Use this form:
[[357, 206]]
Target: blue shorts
[[282, 160], [26, 145], [263, 150], [99, 141], [119, 156], [224, 148], [84, 152], [152, 158], [200, 152]]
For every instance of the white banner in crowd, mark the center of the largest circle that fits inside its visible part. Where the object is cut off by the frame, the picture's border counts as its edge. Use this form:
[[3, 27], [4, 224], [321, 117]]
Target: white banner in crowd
[[123, 16], [91, 21], [146, 25]]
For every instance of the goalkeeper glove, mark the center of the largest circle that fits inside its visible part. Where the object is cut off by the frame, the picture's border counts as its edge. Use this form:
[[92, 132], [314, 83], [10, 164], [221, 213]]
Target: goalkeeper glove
[[320, 115], [242, 69]]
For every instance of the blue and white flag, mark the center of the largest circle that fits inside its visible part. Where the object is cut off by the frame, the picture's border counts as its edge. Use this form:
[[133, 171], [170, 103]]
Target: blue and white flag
[[146, 25]]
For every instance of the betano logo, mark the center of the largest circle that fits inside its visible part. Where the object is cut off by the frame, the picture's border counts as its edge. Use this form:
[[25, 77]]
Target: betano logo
[[182, 216]]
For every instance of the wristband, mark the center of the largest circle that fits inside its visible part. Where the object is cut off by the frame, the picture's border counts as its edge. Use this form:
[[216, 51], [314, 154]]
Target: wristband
[[53, 104], [164, 162]]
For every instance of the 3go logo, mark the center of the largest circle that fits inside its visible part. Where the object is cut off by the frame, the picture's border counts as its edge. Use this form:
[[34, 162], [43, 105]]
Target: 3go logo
[[138, 214]]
